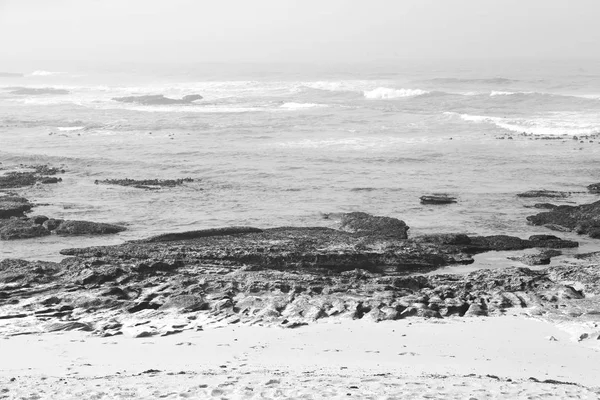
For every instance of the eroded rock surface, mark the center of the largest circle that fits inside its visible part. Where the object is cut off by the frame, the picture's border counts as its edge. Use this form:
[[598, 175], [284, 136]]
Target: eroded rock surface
[[280, 276]]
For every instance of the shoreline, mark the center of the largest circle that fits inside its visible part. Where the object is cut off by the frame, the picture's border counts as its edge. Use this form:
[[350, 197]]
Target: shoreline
[[499, 357]]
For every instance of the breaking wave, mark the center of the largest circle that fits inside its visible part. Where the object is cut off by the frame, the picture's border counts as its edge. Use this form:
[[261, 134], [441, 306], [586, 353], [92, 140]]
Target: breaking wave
[[388, 93], [44, 73], [300, 106], [551, 124], [487, 81]]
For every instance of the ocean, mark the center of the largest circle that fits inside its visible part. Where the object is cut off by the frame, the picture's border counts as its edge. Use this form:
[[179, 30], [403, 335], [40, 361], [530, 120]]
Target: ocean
[[286, 145]]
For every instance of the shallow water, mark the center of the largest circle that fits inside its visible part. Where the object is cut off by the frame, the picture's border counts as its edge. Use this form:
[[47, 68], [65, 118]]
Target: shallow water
[[281, 148]]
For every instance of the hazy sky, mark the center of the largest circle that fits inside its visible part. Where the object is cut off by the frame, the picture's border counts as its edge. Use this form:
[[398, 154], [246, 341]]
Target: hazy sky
[[54, 32]]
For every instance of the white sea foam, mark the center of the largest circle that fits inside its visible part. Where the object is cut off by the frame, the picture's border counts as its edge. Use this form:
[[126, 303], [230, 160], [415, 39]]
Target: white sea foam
[[186, 109], [300, 106], [388, 93], [70, 128], [44, 73], [551, 124], [501, 93]]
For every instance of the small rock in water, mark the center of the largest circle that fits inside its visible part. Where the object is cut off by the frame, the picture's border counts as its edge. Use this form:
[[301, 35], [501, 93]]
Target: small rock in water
[[437, 199]]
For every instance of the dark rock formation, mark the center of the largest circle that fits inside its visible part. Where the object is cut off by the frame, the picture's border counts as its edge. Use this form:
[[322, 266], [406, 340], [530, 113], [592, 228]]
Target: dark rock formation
[[159, 99], [594, 188], [17, 179], [584, 219], [13, 206], [544, 193], [37, 91], [16, 228], [145, 183], [70, 228], [363, 224], [437, 199]]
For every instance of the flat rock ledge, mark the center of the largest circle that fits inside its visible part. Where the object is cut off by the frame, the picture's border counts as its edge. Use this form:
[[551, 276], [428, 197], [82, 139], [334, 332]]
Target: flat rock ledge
[[286, 277]]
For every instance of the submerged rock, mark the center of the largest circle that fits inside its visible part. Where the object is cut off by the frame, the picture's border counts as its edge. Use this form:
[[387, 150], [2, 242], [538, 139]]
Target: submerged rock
[[544, 193], [145, 183], [18, 179], [71, 227], [158, 99]]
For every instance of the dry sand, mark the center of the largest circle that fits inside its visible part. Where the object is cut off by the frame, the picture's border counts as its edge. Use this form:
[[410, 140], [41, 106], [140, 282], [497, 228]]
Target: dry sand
[[457, 358]]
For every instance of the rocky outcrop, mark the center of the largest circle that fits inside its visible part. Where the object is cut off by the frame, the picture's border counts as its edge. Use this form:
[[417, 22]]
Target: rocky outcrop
[[159, 99], [583, 219], [113, 295], [281, 276], [363, 224], [71, 228], [148, 184]]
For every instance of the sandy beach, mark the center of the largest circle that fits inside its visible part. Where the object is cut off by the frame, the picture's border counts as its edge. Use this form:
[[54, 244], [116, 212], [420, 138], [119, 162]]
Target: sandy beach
[[460, 358]]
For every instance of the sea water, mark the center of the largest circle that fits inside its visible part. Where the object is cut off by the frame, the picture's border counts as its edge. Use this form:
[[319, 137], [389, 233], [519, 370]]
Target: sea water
[[281, 145]]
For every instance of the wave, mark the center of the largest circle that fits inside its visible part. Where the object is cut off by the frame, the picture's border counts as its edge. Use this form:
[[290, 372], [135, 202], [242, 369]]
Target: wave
[[551, 124], [299, 106], [70, 128], [18, 90], [44, 73], [388, 93], [500, 93], [488, 81]]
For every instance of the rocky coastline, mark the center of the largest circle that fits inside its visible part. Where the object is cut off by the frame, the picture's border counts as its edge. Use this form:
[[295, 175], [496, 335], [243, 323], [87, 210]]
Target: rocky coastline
[[367, 268]]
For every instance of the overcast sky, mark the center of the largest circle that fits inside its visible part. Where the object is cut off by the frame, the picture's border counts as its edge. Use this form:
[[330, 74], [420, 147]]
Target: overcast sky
[[63, 31]]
